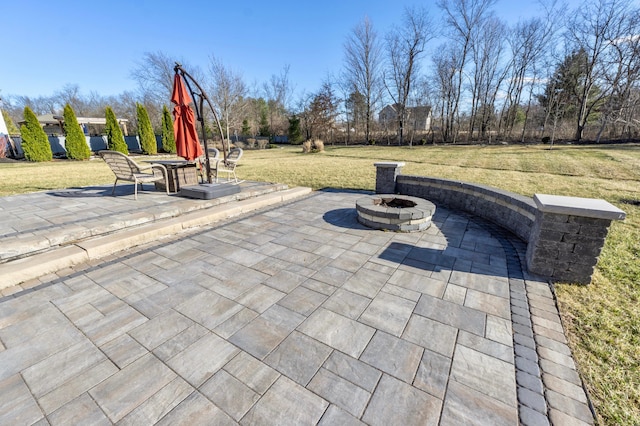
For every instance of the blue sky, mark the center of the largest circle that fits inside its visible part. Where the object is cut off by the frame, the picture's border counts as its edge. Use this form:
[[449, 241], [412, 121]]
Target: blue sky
[[96, 45]]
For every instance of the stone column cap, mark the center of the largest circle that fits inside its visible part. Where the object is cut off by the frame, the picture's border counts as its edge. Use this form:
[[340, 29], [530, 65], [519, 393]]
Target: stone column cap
[[389, 164], [576, 206]]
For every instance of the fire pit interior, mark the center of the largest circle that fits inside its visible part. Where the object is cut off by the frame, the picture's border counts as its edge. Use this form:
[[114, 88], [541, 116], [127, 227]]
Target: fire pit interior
[[394, 202], [395, 212]]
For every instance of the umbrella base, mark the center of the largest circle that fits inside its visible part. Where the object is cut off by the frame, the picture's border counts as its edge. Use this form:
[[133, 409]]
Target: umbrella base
[[208, 191]]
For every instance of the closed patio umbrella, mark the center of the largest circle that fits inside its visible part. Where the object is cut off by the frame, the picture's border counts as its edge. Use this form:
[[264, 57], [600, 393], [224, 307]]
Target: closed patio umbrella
[[202, 96], [186, 135]]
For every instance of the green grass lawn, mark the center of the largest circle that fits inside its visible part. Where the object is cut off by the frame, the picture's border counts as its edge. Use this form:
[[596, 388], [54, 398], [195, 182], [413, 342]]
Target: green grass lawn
[[602, 319]]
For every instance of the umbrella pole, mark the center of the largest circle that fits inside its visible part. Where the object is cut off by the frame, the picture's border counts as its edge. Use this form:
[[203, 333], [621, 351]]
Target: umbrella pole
[[206, 148]]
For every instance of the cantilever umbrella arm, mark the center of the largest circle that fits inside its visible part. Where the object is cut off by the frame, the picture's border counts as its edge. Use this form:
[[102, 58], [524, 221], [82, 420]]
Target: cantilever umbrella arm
[[202, 96]]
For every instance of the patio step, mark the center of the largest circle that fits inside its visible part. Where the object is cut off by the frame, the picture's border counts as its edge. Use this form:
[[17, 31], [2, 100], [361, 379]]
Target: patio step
[[58, 227], [48, 260]]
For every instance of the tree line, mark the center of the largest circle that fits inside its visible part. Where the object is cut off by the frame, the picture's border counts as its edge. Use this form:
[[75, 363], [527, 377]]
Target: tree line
[[544, 77], [541, 78]]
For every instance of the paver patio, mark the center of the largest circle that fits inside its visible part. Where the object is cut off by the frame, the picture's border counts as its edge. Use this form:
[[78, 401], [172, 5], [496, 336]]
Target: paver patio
[[294, 314]]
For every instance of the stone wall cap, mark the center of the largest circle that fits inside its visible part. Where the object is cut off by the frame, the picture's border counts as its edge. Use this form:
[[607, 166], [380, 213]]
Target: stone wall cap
[[389, 164], [576, 206]]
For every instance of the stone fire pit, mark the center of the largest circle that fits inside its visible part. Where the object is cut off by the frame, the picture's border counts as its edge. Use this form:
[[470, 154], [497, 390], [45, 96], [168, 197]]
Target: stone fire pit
[[395, 212]]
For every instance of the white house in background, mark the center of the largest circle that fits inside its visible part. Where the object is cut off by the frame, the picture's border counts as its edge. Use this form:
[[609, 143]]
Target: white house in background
[[416, 118]]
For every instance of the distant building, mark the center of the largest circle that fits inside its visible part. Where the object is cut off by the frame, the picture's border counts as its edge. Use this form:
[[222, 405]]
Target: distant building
[[416, 118], [53, 125]]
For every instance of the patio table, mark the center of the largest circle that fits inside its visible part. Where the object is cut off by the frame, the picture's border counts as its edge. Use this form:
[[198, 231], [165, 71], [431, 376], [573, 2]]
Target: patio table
[[179, 173]]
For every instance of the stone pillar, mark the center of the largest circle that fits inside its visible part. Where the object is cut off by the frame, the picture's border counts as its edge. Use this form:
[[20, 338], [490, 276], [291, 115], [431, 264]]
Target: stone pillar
[[568, 235], [386, 173]]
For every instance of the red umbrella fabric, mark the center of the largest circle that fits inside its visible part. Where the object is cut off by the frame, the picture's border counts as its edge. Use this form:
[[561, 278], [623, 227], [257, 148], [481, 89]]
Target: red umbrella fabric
[[184, 125]]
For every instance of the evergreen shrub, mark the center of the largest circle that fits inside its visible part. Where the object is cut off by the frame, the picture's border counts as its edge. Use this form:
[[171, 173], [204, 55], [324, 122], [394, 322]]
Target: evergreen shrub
[[145, 131], [75, 141], [246, 129], [168, 137], [294, 132], [35, 142], [115, 138]]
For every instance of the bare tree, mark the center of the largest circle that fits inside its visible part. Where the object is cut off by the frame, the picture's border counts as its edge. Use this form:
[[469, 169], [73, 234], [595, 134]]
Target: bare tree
[[363, 68], [488, 75], [70, 94], [405, 46], [464, 17], [154, 75], [278, 91], [227, 92], [593, 28], [302, 110], [621, 74], [530, 41], [446, 62], [39, 105]]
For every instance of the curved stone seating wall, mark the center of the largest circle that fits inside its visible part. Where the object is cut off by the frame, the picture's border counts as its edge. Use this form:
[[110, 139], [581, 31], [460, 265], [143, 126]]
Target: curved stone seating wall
[[511, 211], [564, 235]]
